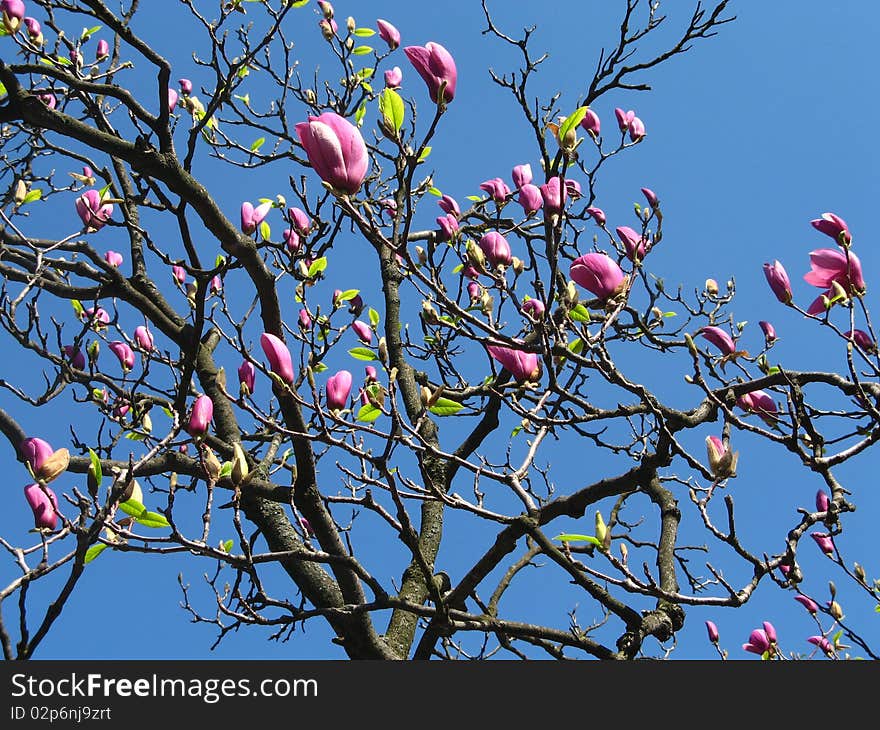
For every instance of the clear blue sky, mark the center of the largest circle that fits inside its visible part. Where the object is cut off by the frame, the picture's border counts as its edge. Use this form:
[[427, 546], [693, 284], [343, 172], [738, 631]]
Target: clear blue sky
[[750, 135]]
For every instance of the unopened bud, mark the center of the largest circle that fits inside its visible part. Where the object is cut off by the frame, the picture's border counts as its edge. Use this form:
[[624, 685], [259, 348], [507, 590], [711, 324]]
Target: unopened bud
[[310, 96], [839, 292], [147, 423], [690, 343], [487, 302], [860, 574], [383, 350], [421, 255], [429, 314], [475, 254], [832, 589], [20, 191], [212, 464], [239, 465], [835, 610], [350, 24], [518, 265], [711, 287], [601, 530], [426, 395]]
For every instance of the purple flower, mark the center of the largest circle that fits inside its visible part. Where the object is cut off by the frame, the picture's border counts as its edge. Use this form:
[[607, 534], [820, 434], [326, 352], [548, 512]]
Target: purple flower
[[448, 226], [278, 355], [186, 86], [824, 541], [92, 212], [475, 291], [807, 603], [247, 377], [624, 118], [113, 258], [823, 643], [336, 150], [363, 331], [534, 308], [573, 188], [591, 123], [302, 224], [291, 239], [13, 12], [770, 631], [758, 642], [758, 401], [712, 630], [497, 189], [530, 198], [75, 356], [338, 390], [496, 248], [721, 339], [388, 33], [598, 274], [44, 505], [521, 365], [829, 266], [393, 78], [98, 318], [436, 66], [634, 243], [252, 217], [123, 353], [200, 416], [636, 129], [35, 451], [834, 226], [863, 340], [554, 195], [823, 502], [449, 205], [522, 175], [778, 280], [34, 29], [769, 331], [102, 50], [597, 214], [143, 338], [305, 320], [650, 196], [172, 100], [216, 284], [371, 375]]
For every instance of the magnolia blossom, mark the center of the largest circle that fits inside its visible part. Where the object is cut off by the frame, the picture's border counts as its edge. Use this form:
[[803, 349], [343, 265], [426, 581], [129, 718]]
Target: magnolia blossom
[[834, 226], [179, 274], [863, 340], [636, 129], [634, 243], [113, 258], [807, 603], [522, 175], [436, 66], [769, 331], [591, 123], [363, 331], [102, 50], [449, 205], [624, 118], [597, 214], [92, 212], [826, 646], [722, 461], [759, 402], [34, 29], [36, 452], [521, 365], [599, 274], [336, 150], [186, 86], [247, 377], [97, 317], [305, 320], [778, 280], [200, 416], [448, 226], [530, 198], [554, 195], [44, 505], [252, 217], [496, 248], [497, 189], [393, 78], [823, 502], [830, 267], [721, 339], [712, 630], [824, 541], [534, 308], [75, 356], [651, 197], [143, 338], [278, 355], [758, 642], [123, 353], [338, 389], [388, 33]]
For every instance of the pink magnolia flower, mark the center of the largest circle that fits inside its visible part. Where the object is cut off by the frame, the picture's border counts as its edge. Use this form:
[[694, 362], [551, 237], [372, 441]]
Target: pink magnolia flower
[[634, 243], [179, 274], [554, 195], [448, 226], [534, 308], [496, 248], [35, 451], [522, 175], [34, 29], [712, 630], [826, 646], [97, 317], [722, 461], [336, 150], [436, 66], [172, 100], [770, 631], [759, 402], [475, 291], [278, 355], [807, 603], [449, 205], [247, 377], [302, 224], [863, 340], [834, 226], [636, 129], [328, 27], [44, 505], [13, 13], [252, 217], [591, 123], [186, 86], [305, 320], [291, 239], [829, 266], [721, 339], [497, 189], [824, 541], [75, 356], [216, 284], [573, 188], [598, 274], [769, 331], [326, 8], [338, 389], [388, 33], [102, 50], [123, 353], [363, 331], [393, 78], [651, 197], [530, 199], [200, 416], [143, 338], [521, 365], [823, 502], [624, 118], [758, 642], [92, 212], [778, 280], [371, 374], [597, 214], [113, 258]]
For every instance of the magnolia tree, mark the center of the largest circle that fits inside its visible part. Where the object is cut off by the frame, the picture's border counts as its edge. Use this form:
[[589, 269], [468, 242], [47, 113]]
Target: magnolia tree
[[345, 399]]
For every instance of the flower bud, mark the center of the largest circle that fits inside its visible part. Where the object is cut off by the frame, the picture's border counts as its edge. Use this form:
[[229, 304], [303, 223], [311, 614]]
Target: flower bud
[[712, 287], [239, 465]]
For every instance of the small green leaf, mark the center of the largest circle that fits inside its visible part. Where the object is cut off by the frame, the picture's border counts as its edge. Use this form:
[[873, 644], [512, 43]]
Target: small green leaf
[[133, 508], [670, 314], [265, 231], [135, 436], [257, 143], [576, 346], [425, 153], [362, 50], [773, 370], [153, 519], [242, 72], [318, 265], [474, 198], [515, 431], [457, 268], [319, 367], [391, 108], [299, 3], [226, 547], [579, 313], [348, 295], [436, 192], [359, 114], [77, 307], [96, 467], [94, 551], [362, 353], [368, 413], [579, 538], [32, 195], [367, 87], [571, 121], [364, 32], [2, 90], [445, 407], [226, 469], [374, 317], [89, 32]]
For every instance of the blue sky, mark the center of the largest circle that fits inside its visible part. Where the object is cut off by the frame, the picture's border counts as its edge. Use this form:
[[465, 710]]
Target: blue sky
[[751, 134]]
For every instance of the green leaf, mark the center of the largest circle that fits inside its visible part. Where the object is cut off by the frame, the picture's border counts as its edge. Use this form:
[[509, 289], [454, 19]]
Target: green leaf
[[367, 87], [226, 469], [579, 538], [77, 307], [374, 317], [265, 231], [364, 73], [348, 295], [242, 72], [368, 413], [362, 50], [670, 314], [94, 551], [319, 367], [515, 431], [391, 108], [226, 547], [135, 436], [571, 121], [474, 198], [579, 313], [359, 114], [89, 32], [32, 195], [153, 519], [2, 90], [425, 153], [257, 143], [96, 467], [445, 407], [773, 370], [133, 508], [364, 32], [576, 346], [436, 192], [318, 265], [362, 353], [299, 3]]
